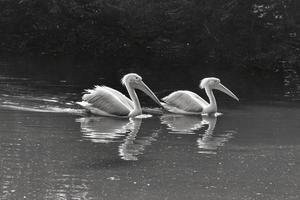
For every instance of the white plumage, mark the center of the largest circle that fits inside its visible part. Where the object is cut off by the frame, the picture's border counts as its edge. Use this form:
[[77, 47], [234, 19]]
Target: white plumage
[[105, 101], [187, 102], [184, 101]]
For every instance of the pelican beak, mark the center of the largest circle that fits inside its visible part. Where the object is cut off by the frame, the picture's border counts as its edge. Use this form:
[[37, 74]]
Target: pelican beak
[[143, 87], [226, 91]]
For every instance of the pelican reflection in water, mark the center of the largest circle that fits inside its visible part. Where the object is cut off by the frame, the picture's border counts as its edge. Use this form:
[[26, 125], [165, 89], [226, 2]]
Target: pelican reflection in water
[[187, 102], [190, 124], [124, 131], [105, 101]]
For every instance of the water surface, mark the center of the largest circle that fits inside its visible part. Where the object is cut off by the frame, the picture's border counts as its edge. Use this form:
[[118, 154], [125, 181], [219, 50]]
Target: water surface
[[51, 149]]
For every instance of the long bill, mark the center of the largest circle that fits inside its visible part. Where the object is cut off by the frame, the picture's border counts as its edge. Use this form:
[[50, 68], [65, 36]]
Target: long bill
[[226, 91], [143, 87]]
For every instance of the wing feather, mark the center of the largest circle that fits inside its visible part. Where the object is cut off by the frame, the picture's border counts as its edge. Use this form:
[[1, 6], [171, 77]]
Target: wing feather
[[185, 100], [199, 99], [103, 98], [125, 100]]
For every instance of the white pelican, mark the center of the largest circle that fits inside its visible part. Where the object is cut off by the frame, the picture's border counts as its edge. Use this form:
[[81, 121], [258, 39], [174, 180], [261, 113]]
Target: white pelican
[[106, 101], [187, 102]]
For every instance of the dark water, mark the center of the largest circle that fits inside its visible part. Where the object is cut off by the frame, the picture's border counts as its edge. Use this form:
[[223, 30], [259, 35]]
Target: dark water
[[50, 149]]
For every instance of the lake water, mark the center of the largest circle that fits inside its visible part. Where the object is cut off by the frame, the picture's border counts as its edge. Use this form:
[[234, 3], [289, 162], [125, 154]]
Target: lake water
[[51, 149]]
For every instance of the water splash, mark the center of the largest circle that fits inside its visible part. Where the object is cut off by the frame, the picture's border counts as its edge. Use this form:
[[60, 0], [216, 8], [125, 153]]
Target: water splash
[[42, 108], [19, 94]]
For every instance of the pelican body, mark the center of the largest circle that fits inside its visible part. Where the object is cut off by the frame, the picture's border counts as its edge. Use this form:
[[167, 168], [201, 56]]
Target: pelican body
[[105, 101], [187, 102]]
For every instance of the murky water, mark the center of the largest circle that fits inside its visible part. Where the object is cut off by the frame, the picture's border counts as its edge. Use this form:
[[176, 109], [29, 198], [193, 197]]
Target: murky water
[[51, 149]]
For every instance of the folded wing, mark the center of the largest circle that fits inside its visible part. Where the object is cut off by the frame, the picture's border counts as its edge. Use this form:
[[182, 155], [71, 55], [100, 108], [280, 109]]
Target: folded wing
[[125, 100], [108, 100], [186, 101]]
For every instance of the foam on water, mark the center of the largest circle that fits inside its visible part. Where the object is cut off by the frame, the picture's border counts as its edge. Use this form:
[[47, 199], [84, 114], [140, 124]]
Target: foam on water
[[39, 104], [45, 109], [20, 94]]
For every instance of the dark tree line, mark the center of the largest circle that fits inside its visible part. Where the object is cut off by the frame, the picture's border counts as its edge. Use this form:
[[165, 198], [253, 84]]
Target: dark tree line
[[244, 33]]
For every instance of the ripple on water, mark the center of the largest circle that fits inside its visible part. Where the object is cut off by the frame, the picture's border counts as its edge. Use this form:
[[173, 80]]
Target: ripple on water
[[20, 94], [209, 140], [107, 130]]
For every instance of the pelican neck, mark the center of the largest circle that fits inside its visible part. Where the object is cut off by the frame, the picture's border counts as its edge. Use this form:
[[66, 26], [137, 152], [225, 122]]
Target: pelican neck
[[212, 100], [133, 97]]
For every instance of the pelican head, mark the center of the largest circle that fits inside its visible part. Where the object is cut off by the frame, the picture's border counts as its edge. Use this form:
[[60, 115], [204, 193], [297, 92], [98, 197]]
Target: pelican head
[[135, 81], [215, 83]]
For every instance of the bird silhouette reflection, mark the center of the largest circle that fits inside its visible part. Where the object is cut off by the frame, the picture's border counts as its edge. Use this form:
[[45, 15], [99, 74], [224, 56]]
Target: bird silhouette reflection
[[124, 131], [208, 142]]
